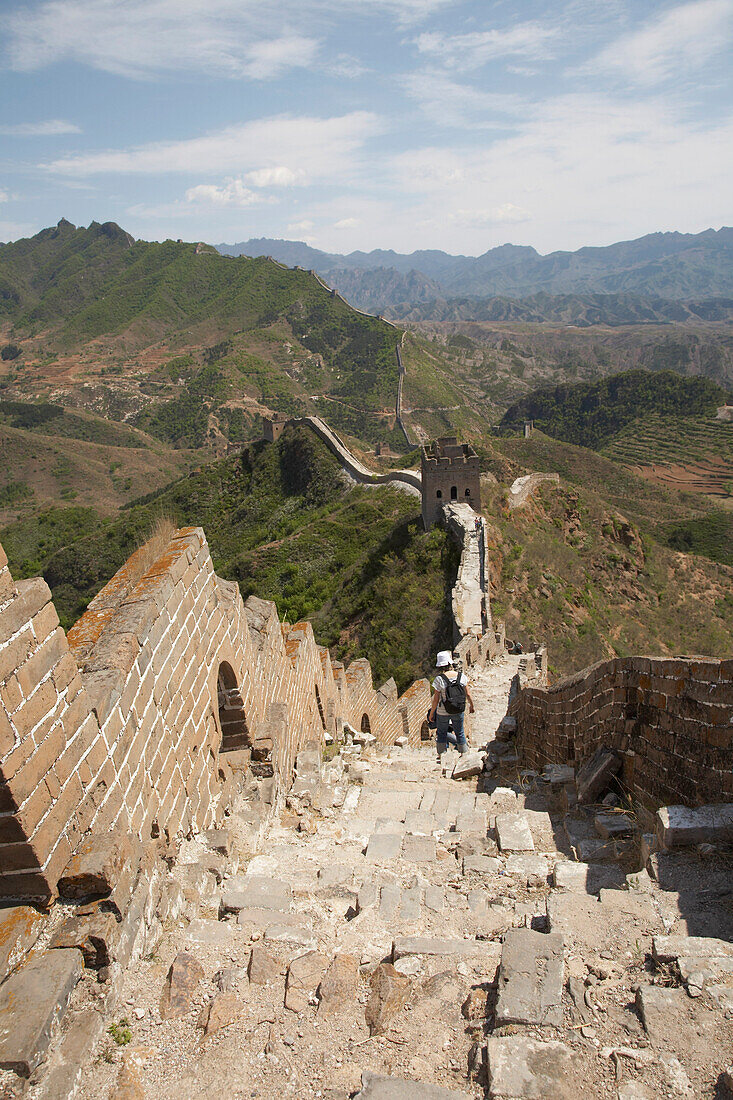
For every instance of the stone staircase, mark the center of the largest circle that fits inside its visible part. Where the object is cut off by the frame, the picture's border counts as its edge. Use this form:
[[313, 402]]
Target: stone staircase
[[397, 934]]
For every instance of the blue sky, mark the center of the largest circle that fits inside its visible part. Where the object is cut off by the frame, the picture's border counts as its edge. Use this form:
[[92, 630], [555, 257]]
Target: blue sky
[[368, 123]]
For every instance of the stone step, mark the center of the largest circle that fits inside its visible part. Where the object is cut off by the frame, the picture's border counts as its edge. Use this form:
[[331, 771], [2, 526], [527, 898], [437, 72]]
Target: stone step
[[531, 976], [523, 1068], [513, 833], [255, 892], [587, 878], [429, 945], [32, 1001]]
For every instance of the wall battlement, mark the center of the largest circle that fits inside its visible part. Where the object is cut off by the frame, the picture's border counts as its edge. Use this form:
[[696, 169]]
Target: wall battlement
[[146, 718]]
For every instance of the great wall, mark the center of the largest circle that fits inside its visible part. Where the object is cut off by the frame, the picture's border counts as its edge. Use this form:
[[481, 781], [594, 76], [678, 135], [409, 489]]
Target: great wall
[[209, 826]]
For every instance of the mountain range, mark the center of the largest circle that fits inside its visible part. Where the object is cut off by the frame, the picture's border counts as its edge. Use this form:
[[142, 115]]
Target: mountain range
[[667, 266]]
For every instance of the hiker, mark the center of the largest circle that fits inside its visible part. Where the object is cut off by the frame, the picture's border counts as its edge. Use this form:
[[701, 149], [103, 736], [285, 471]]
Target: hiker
[[450, 695]]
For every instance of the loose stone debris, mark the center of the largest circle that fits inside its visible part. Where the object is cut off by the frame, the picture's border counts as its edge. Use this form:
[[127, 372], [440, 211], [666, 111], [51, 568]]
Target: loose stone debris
[[423, 939]]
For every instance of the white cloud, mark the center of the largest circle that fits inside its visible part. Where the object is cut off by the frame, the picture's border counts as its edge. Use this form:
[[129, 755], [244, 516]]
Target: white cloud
[[317, 147], [682, 38], [144, 38], [4, 196], [578, 169], [296, 227], [469, 51], [346, 223], [49, 128], [449, 103], [280, 176], [233, 193]]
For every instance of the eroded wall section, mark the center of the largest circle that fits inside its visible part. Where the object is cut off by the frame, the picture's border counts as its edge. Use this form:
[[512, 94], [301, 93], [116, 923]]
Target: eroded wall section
[[672, 719], [145, 719]]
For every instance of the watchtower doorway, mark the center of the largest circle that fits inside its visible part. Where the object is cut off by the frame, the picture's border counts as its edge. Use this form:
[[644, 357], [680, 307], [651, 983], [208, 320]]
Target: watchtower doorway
[[232, 715]]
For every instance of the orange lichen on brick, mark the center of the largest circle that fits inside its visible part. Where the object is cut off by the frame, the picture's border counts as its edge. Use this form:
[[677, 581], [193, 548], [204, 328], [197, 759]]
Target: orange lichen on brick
[[85, 633]]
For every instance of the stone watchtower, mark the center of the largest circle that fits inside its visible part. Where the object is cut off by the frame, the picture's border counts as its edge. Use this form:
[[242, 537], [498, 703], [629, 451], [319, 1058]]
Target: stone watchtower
[[272, 426], [450, 472]]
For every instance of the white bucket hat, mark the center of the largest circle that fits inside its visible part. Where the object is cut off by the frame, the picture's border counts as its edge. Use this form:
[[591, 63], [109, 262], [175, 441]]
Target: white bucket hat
[[444, 659]]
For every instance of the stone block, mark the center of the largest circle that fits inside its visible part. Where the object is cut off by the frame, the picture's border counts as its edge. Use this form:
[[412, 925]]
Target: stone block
[[218, 840], [473, 823], [587, 878], [481, 865], [256, 892], [32, 1001], [213, 933], [531, 976], [609, 825], [304, 977], [375, 1086], [513, 833], [469, 765], [94, 934], [662, 1012], [20, 927], [97, 864], [181, 986], [390, 992], [383, 847], [681, 827], [419, 849], [521, 1068], [670, 948], [430, 945], [295, 934], [532, 869], [338, 986], [595, 775], [263, 968], [419, 822]]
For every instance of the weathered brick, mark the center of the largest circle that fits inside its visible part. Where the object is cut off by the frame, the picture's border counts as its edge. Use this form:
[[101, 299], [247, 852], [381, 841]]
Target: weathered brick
[[13, 655], [45, 622], [35, 709], [40, 663], [68, 760], [65, 671], [10, 694], [32, 596]]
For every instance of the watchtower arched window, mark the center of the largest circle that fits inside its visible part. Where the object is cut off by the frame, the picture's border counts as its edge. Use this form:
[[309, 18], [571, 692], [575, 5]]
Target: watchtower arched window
[[454, 492], [468, 492], [439, 494], [365, 724]]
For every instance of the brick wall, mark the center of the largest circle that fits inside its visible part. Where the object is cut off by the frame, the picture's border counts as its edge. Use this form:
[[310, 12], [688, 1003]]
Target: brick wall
[[50, 743], [671, 718], [119, 725]]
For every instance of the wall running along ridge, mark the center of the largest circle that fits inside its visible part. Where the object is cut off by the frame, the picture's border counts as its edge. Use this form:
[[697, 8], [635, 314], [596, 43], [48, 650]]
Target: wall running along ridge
[[120, 724], [672, 720]]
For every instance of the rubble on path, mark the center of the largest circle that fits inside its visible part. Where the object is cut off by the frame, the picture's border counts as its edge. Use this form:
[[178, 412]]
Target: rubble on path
[[426, 939]]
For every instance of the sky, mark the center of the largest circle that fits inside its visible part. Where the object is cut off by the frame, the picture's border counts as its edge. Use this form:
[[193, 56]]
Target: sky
[[360, 124]]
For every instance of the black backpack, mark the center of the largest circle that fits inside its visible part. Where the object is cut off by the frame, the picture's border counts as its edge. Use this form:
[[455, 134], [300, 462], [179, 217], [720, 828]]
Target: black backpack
[[454, 696]]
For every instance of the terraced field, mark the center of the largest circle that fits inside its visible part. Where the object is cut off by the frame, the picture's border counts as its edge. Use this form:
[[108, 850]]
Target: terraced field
[[689, 453]]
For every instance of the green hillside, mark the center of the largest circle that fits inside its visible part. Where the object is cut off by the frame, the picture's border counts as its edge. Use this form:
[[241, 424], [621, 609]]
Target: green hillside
[[282, 522], [591, 414], [189, 344]]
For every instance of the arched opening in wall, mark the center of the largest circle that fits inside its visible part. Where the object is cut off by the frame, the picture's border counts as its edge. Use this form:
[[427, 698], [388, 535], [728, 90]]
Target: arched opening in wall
[[320, 707], [468, 492], [439, 494], [365, 724], [425, 732], [454, 492], [232, 716], [469, 662]]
